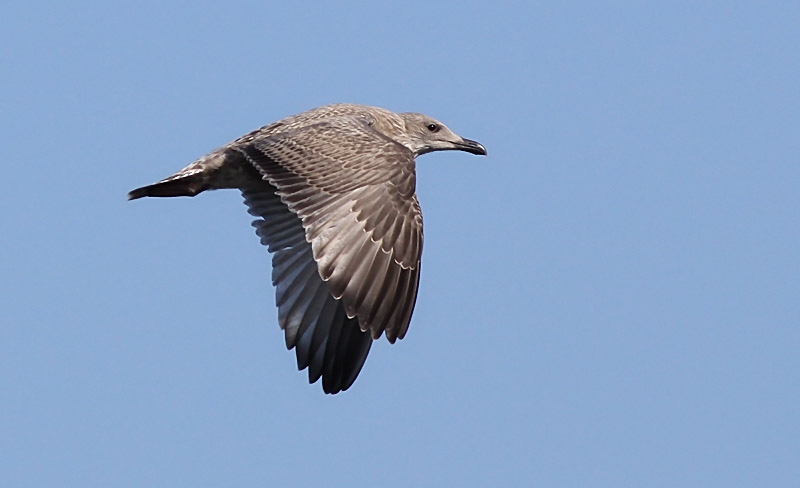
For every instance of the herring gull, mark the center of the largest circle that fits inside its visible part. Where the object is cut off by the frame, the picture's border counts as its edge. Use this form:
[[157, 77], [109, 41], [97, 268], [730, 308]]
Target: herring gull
[[333, 190]]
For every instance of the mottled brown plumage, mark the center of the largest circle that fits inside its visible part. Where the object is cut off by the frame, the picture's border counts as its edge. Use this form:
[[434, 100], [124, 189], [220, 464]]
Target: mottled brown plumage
[[334, 192]]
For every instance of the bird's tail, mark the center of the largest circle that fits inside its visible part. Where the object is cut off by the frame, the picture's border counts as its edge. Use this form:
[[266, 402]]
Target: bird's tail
[[179, 185]]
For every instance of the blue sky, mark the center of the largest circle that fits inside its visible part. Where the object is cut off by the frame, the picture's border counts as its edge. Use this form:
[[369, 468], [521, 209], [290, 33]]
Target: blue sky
[[610, 298]]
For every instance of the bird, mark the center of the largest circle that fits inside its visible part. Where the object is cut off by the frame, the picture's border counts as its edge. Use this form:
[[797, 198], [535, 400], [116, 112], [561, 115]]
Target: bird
[[333, 190]]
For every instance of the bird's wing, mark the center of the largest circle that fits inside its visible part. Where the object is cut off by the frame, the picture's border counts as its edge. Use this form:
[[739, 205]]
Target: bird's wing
[[353, 189], [326, 341]]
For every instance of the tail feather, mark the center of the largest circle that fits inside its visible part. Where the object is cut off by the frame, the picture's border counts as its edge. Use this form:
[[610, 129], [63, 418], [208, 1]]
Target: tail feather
[[181, 186]]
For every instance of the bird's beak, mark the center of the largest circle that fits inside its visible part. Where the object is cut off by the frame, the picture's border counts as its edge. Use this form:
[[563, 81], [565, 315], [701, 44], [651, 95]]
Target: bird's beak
[[471, 146]]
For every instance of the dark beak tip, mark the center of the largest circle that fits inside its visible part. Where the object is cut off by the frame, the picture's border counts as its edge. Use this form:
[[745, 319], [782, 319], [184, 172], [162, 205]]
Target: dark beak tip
[[474, 147]]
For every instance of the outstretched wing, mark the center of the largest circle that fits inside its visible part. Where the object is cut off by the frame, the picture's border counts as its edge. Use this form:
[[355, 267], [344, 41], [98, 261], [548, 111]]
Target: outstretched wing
[[353, 191], [326, 341]]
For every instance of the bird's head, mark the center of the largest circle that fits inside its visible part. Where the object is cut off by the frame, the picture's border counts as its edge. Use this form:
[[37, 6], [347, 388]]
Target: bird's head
[[426, 134]]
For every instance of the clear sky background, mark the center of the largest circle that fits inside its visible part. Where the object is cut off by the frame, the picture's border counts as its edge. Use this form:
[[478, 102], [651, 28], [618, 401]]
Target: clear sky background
[[610, 298]]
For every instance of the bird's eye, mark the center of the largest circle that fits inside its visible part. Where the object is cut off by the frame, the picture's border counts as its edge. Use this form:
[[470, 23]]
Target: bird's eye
[[433, 127]]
